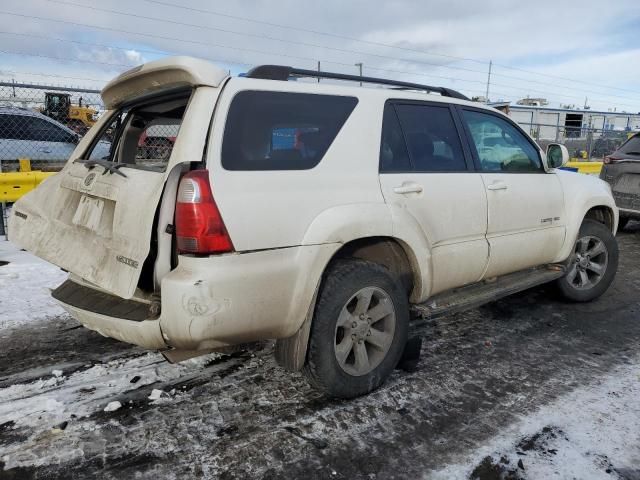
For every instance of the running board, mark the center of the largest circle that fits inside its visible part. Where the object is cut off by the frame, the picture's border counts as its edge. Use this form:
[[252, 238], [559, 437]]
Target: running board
[[472, 296]]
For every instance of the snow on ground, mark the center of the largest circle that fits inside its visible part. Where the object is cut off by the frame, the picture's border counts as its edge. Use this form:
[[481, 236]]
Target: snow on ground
[[25, 284], [50, 401], [591, 433]]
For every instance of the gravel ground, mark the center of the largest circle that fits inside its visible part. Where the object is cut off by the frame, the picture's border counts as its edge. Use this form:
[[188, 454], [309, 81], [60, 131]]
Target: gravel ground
[[486, 395]]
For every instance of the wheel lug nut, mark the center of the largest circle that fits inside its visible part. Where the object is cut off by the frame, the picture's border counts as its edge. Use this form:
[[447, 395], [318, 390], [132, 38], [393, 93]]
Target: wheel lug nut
[[353, 336], [362, 317], [368, 333], [360, 341], [354, 324]]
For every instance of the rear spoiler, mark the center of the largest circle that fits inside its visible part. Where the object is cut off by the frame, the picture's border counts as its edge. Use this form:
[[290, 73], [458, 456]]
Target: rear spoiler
[[167, 74]]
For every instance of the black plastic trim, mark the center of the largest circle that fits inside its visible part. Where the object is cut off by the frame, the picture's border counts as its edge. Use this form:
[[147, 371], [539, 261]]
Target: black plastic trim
[[86, 298]]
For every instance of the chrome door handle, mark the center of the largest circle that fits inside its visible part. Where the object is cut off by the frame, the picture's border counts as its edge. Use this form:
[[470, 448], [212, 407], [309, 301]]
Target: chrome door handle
[[497, 186], [409, 188]]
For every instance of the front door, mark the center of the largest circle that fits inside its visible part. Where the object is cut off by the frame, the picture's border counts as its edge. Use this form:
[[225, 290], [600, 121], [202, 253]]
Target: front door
[[425, 171], [526, 221]]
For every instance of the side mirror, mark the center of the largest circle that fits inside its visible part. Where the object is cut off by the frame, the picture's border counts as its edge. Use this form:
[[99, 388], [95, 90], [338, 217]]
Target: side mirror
[[557, 155]]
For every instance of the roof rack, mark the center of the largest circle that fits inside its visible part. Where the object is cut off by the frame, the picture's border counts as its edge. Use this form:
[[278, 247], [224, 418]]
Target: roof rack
[[282, 72]]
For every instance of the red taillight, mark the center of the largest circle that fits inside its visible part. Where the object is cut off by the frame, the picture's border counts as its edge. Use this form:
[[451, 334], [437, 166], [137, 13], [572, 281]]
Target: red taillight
[[199, 225]]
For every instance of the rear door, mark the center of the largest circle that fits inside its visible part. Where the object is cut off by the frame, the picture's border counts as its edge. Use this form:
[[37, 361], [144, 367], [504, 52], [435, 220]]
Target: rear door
[[426, 170], [526, 220], [95, 217]]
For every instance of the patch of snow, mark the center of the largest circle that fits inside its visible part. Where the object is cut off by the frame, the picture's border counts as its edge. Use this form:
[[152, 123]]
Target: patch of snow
[[112, 406], [155, 394], [25, 285], [598, 430], [57, 373]]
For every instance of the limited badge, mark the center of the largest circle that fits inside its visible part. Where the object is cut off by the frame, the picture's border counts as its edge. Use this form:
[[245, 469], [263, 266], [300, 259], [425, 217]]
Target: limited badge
[[127, 261]]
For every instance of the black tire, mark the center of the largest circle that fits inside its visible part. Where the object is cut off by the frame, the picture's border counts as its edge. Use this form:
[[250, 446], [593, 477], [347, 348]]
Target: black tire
[[342, 282], [622, 223], [567, 285]]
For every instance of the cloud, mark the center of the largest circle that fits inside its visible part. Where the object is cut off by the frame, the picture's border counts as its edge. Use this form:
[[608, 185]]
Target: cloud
[[576, 40]]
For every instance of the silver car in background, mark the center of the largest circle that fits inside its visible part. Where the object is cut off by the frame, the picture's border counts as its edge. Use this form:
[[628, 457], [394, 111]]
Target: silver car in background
[[26, 134]]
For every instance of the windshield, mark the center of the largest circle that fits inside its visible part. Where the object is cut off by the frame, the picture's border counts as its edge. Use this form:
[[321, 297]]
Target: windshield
[[140, 136]]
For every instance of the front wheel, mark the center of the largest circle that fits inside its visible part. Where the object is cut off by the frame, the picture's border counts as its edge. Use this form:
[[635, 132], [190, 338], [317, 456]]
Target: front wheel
[[592, 265], [359, 329]]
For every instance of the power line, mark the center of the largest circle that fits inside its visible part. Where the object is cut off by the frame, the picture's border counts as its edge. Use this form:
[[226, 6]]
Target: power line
[[379, 44], [16, 72], [253, 51], [162, 52], [342, 50], [261, 37]]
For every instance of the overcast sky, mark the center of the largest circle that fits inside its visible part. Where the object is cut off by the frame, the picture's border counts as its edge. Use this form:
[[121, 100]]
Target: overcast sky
[[569, 49]]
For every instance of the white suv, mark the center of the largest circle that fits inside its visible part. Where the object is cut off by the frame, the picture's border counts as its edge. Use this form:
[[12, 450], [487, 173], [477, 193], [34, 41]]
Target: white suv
[[332, 218]]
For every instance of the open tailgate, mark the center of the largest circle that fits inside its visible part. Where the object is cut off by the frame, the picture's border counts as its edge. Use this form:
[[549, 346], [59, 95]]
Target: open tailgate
[[98, 224]]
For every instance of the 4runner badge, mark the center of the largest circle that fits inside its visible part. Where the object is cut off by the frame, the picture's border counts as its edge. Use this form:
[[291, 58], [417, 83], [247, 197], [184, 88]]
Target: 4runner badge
[[88, 180], [127, 261]]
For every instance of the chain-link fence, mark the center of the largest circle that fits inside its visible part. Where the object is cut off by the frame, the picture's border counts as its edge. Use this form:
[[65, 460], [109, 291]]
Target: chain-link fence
[[43, 124], [583, 143]]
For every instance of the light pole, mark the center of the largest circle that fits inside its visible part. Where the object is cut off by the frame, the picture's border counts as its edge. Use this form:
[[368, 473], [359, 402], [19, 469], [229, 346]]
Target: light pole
[[359, 65]]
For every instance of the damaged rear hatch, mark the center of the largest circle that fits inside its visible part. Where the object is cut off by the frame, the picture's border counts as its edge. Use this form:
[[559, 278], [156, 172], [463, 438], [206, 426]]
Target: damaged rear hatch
[[95, 218]]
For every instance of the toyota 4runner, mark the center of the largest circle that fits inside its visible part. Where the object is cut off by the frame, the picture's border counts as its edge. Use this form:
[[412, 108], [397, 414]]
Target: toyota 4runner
[[335, 219]]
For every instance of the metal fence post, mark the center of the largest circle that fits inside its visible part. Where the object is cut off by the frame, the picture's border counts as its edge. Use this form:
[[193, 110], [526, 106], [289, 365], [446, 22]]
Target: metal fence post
[[3, 209]]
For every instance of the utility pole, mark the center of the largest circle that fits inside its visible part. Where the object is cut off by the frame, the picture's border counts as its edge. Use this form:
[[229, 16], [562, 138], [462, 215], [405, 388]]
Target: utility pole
[[488, 82], [359, 65], [318, 70]]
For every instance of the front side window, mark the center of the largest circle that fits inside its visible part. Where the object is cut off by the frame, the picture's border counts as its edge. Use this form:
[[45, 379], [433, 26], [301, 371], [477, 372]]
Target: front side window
[[500, 146], [141, 136], [432, 138], [282, 130]]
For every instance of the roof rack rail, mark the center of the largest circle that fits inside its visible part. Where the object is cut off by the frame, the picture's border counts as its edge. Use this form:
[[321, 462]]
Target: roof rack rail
[[282, 72]]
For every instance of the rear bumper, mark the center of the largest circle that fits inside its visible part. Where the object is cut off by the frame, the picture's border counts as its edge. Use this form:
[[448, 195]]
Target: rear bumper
[[213, 302], [144, 333], [627, 212]]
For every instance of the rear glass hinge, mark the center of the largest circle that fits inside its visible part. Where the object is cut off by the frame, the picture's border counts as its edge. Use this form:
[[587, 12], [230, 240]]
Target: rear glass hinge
[[170, 229]]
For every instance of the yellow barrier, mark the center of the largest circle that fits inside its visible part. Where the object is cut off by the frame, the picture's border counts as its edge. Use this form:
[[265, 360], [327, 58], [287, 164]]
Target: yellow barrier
[[15, 184], [589, 168]]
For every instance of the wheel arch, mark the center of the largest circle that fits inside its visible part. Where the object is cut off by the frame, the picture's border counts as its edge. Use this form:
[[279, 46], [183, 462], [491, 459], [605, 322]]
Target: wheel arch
[[392, 253], [602, 214]]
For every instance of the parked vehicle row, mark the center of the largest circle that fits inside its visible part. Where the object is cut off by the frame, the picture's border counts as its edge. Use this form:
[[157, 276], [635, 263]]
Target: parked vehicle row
[[331, 218]]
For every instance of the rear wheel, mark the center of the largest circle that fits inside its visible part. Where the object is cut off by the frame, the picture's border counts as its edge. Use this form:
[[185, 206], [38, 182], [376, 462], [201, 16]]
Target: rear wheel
[[592, 265], [359, 329]]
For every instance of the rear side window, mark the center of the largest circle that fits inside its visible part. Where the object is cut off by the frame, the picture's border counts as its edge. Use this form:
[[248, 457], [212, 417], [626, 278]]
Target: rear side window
[[282, 130], [394, 156], [432, 138]]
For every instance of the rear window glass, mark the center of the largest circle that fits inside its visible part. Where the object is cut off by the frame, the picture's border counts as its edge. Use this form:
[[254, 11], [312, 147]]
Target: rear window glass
[[281, 130], [631, 146], [143, 136]]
